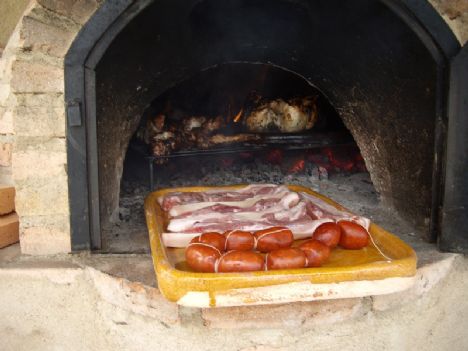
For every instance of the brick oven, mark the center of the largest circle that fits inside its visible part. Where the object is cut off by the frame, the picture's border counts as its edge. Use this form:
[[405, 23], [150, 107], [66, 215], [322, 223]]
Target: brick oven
[[81, 81], [102, 101]]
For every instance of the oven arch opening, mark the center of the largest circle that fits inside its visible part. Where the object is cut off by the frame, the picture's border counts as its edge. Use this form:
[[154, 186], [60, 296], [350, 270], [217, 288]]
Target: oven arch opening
[[87, 67]]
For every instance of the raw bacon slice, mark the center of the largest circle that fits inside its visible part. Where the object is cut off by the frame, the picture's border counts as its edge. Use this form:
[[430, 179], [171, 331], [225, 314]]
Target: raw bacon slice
[[318, 208], [176, 198], [262, 205], [280, 212], [284, 195]]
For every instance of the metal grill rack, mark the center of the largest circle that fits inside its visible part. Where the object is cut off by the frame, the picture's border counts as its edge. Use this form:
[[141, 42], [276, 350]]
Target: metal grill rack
[[269, 141]]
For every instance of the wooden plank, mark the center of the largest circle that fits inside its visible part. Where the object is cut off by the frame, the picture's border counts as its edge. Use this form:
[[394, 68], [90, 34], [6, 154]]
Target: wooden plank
[[9, 229], [7, 199]]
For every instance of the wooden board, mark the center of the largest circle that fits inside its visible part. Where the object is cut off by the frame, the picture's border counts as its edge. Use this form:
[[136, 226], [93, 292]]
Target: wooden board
[[7, 199], [348, 273], [9, 229]]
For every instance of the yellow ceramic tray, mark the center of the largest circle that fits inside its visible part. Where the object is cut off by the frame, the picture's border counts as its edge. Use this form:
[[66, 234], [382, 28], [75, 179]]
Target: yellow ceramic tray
[[347, 273]]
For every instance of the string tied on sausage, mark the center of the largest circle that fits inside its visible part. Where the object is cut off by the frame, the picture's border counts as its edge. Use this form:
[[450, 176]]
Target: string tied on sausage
[[371, 239]]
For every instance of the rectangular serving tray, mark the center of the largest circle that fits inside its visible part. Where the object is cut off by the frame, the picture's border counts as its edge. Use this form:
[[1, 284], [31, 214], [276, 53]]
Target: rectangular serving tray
[[347, 273]]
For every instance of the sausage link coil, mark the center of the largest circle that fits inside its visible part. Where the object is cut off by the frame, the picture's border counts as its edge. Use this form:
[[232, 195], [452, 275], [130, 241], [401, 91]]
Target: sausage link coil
[[273, 238], [353, 235], [214, 239], [317, 253], [328, 234], [289, 258], [240, 261], [202, 257], [206, 253], [239, 240]]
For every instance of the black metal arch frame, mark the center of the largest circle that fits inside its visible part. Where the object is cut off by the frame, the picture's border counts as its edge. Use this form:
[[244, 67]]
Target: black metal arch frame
[[90, 45]]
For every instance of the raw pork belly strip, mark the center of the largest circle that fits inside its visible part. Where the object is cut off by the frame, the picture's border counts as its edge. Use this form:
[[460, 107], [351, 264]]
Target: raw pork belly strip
[[252, 208], [276, 216], [287, 208], [177, 198], [235, 205]]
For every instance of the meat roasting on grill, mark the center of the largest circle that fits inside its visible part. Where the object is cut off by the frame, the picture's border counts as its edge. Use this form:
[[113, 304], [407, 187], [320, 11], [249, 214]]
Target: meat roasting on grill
[[291, 116], [166, 135]]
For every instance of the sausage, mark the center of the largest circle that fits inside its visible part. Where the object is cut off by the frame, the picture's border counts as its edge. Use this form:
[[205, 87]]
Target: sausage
[[353, 235], [214, 239], [316, 252], [240, 261], [239, 240], [273, 238], [328, 234], [202, 257], [289, 258]]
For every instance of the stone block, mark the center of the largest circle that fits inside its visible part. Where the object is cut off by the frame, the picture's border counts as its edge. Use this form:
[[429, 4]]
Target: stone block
[[6, 121], [292, 315], [6, 176], [5, 154], [44, 144], [7, 199], [455, 13], [42, 196], [77, 10], [36, 77], [427, 277], [60, 222], [9, 229], [43, 235], [44, 241], [451, 8], [48, 38], [46, 121], [135, 297], [41, 164], [40, 100]]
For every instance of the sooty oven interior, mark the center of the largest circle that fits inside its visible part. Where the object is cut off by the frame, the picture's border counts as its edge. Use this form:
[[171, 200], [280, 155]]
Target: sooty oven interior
[[345, 97]]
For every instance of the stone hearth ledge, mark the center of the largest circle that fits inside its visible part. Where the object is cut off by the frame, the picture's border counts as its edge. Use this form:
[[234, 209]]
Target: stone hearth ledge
[[128, 283]]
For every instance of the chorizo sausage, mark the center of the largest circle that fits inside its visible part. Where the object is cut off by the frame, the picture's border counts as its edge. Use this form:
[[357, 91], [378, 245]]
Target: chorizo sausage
[[289, 258], [202, 257], [240, 261], [353, 235], [328, 234], [214, 239], [316, 252], [273, 238], [239, 240]]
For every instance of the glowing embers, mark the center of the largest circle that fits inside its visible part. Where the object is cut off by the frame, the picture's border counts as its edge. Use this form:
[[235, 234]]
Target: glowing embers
[[324, 160], [272, 165]]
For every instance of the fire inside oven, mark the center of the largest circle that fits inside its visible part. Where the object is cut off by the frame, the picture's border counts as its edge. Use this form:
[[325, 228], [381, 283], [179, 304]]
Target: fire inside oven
[[212, 127]]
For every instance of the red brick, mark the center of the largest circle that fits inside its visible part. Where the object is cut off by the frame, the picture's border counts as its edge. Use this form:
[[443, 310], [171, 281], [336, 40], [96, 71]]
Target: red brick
[[9, 229]]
